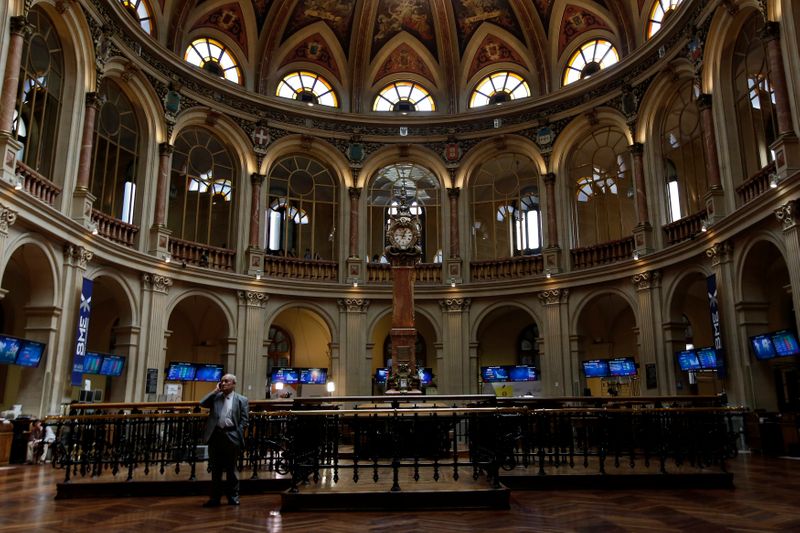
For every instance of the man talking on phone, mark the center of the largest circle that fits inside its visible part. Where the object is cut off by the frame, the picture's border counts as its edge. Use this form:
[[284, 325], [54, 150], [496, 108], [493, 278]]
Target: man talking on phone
[[227, 418]]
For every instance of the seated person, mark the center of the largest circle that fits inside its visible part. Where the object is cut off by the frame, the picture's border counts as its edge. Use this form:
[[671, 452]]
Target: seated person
[[34, 440], [47, 441]]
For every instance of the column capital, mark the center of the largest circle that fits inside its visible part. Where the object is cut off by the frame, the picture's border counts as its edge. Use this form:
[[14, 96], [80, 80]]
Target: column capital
[[455, 305], [720, 252], [550, 178], [7, 218], [354, 192], [636, 148], [770, 31], [704, 101], [253, 298], [787, 215], [554, 296], [257, 179], [353, 305], [646, 280], [453, 192], [21, 26], [77, 256], [156, 282], [93, 99], [166, 149]]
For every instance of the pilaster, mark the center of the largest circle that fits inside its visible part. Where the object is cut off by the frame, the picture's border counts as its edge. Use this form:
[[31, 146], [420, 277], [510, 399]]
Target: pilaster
[[647, 285], [155, 290], [252, 321], [787, 216], [453, 374], [351, 375], [557, 366], [7, 218]]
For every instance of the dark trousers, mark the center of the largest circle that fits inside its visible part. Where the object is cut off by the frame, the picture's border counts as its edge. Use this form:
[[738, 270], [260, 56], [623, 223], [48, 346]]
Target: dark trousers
[[222, 454]]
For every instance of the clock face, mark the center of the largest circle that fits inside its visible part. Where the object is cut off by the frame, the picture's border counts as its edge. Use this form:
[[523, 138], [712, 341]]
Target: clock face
[[402, 237]]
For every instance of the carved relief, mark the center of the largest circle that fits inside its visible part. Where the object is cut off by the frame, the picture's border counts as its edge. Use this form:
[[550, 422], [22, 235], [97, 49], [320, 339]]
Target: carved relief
[[77, 256], [786, 214], [253, 298], [314, 49], [157, 282], [229, 20], [721, 252], [455, 305], [646, 280], [353, 305], [554, 296], [7, 218]]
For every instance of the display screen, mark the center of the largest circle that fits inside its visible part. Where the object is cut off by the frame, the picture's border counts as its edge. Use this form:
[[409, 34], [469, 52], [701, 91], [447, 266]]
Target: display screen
[[92, 362], [9, 347], [785, 343], [208, 372], [493, 374], [622, 366], [596, 368], [763, 347], [285, 375], [425, 375], [523, 373], [314, 376], [112, 365], [181, 372], [707, 357], [688, 360], [381, 374], [30, 353]]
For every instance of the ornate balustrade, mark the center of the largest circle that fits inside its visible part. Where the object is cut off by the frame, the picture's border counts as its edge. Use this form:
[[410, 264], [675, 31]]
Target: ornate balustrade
[[509, 268], [305, 269], [37, 185], [381, 439], [756, 185], [426, 273], [602, 254], [115, 230], [685, 228], [202, 255]]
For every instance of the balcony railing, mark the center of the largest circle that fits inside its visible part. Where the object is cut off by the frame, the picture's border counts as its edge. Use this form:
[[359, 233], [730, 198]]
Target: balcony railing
[[37, 185], [202, 255], [426, 273], [115, 230], [756, 185], [602, 254], [508, 268], [302, 269], [685, 228]]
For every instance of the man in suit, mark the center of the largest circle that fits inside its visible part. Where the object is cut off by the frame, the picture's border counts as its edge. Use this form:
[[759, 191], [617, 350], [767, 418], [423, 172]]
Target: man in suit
[[227, 418]]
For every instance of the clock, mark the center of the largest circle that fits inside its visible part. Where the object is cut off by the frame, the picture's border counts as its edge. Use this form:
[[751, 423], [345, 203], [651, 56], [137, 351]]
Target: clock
[[402, 237]]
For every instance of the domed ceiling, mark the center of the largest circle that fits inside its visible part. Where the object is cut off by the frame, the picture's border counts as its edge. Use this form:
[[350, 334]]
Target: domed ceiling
[[361, 45]]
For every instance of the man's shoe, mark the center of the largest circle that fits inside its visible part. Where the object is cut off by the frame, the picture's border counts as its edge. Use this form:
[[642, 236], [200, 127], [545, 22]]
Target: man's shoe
[[233, 501], [211, 503]]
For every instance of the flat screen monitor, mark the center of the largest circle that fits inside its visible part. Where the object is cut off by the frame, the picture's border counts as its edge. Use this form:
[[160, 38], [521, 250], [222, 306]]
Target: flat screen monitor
[[708, 358], [494, 374], [313, 376], [381, 374], [9, 347], [688, 360], [181, 372], [425, 375], [92, 362], [785, 343], [112, 365], [763, 347], [622, 366], [523, 373], [208, 372], [596, 368], [285, 375], [30, 353]]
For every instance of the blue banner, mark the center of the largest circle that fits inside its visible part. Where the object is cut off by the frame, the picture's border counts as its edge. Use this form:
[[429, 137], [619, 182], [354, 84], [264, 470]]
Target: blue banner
[[84, 310], [716, 328]]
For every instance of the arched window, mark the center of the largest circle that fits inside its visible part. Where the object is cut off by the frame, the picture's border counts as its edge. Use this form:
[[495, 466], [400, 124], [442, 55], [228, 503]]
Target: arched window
[[307, 87], [301, 210], [201, 189], [141, 12], [39, 96], [498, 88], [589, 59], [506, 217], [603, 195], [682, 150], [404, 96], [661, 10], [755, 98], [422, 191], [212, 56], [114, 161]]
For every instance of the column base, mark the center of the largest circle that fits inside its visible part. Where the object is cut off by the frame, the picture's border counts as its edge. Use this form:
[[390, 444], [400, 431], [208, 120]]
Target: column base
[[9, 147], [715, 205], [454, 272], [159, 241], [82, 203], [255, 261], [787, 156], [643, 239], [355, 270], [551, 260]]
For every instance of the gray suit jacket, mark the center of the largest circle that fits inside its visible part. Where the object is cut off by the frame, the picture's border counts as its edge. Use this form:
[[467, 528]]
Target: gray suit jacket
[[239, 415]]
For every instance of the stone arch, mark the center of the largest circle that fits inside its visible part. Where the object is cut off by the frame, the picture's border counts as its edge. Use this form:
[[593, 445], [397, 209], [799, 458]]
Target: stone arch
[[313, 147], [485, 149]]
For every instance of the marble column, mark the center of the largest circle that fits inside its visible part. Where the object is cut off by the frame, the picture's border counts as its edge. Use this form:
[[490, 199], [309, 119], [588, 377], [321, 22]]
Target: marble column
[[643, 232], [787, 215], [154, 324], [82, 198], [352, 377], [714, 197], [551, 255], [9, 145], [557, 365], [647, 285], [453, 372], [252, 322], [453, 194], [255, 253], [159, 234], [355, 264], [777, 77]]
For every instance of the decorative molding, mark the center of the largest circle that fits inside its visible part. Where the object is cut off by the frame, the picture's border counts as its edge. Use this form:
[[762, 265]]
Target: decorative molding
[[787, 215], [720, 252], [554, 296], [253, 298], [7, 218], [77, 256], [157, 282], [354, 192], [21, 26], [646, 280], [353, 305], [455, 305]]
